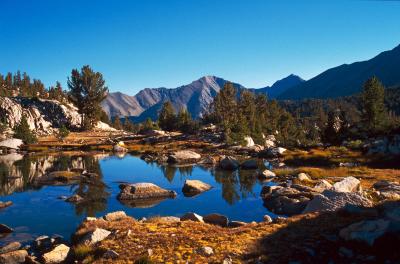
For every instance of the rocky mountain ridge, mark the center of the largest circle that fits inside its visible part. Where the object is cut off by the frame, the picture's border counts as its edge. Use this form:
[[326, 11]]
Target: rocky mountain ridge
[[196, 97]]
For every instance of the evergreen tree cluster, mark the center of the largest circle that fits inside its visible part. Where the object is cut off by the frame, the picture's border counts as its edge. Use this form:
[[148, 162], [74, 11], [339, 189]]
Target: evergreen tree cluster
[[21, 85], [169, 120]]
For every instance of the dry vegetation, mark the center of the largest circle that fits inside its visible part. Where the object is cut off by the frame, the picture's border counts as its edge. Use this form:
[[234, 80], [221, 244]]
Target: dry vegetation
[[180, 242]]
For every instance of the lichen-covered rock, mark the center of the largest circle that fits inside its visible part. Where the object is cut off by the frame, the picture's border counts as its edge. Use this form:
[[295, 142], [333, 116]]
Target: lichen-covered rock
[[194, 187], [141, 191], [184, 156], [331, 201]]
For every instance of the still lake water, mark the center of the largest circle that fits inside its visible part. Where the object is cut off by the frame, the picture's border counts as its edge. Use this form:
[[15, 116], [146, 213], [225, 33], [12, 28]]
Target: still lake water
[[38, 211]]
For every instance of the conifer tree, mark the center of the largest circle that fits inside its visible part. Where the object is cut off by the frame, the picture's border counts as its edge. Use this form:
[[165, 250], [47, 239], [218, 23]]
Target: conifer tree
[[87, 90], [374, 112], [167, 118], [117, 123], [22, 131]]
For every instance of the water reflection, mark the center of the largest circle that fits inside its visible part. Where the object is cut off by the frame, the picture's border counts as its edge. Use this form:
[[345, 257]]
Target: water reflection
[[19, 173]]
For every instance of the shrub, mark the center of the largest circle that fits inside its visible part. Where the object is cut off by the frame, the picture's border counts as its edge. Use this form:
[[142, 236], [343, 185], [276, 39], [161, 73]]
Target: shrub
[[22, 131], [63, 132]]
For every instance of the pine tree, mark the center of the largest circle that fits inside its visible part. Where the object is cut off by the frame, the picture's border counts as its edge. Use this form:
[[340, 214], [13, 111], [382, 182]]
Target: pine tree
[[184, 121], [331, 132], [117, 123], [129, 126], [22, 131], [374, 113], [167, 118], [87, 90]]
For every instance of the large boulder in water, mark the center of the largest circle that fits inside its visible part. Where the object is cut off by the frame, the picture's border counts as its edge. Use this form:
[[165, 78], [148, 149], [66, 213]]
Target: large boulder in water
[[229, 163], [194, 187], [142, 191], [184, 156]]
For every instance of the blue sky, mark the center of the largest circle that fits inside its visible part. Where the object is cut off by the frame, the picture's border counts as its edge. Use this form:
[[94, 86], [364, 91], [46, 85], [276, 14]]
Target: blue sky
[[149, 43]]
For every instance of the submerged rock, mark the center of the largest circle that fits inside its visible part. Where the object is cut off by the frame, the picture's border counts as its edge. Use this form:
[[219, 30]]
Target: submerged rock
[[229, 163], [4, 229], [57, 255], [194, 187], [184, 156], [5, 204], [139, 191]]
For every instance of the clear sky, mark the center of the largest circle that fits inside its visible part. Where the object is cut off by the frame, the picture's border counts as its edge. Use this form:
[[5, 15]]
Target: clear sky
[[148, 43]]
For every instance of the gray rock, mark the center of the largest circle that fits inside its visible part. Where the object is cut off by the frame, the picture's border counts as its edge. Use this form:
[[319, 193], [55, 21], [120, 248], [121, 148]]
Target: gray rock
[[14, 257], [332, 201], [142, 191], [115, 216], [367, 231], [95, 236], [348, 184], [13, 246], [249, 164], [216, 219], [184, 156], [5, 229], [57, 255], [229, 163], [192, 217], [194, 187]]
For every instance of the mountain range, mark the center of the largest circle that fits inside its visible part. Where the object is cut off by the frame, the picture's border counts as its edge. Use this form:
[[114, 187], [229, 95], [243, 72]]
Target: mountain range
[[195, 97], [343, 80]]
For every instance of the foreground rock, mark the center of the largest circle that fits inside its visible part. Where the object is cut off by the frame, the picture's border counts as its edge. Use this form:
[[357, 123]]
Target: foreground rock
[[229, 163], [115, 216], [57, 255], [194, 187], [192, 217], [330, 200], [13, 257], [216, 219], [143, 191], [184, 156], [286, 200], [387, 190], [95, 236], [348, 184]]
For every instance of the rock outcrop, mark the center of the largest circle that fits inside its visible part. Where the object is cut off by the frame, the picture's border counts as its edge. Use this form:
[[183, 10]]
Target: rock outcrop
[[43, 116]]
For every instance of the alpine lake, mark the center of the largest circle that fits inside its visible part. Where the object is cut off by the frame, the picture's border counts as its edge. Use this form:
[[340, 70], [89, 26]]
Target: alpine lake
[[40, 209]]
